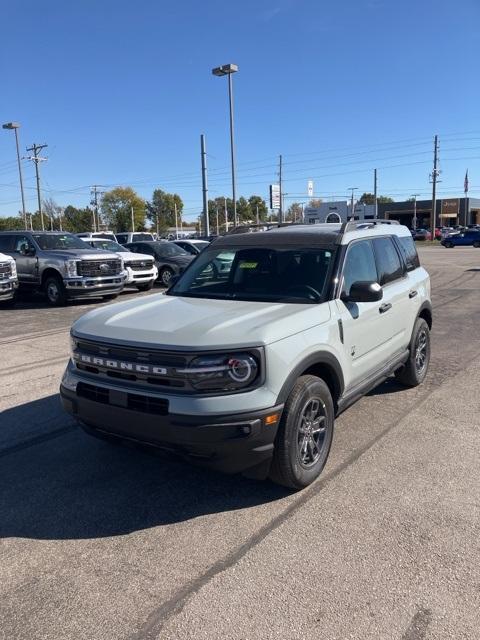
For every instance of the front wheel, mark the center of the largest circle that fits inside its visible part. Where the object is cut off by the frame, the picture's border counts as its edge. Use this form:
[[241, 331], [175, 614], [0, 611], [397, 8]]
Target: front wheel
[[305, 434], [415, 369], [165, 274], [55, 291], [448, 245]]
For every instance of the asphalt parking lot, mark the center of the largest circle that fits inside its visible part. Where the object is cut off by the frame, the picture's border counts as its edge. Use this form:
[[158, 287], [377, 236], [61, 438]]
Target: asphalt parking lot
[[102, 542]]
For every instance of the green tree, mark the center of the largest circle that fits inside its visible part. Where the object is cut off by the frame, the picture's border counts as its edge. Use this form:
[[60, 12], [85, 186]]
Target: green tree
[[77, 220], [117, 206], [369, 198], [244, 213], [12, 223], [294, 212], [257, 201], [161, 209]]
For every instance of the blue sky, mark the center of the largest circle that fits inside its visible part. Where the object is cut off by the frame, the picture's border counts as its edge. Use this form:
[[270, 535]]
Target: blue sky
[[121, 92]]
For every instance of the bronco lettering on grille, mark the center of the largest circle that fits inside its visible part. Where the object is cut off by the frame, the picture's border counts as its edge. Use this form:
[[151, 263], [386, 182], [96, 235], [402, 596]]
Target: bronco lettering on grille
[[120, 365]]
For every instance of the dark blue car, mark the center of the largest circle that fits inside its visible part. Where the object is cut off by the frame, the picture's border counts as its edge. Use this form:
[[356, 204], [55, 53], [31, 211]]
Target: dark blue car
[[469, 238]]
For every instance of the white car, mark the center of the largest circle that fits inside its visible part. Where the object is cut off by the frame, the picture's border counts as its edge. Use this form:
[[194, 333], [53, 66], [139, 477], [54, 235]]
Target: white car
[[245, 370], [140, 268], [134, 236], [8, 278]]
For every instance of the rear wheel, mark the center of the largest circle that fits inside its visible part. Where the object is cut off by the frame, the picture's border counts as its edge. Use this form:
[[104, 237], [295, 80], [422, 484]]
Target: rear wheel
[[305, 434], [448, 244], [165, 274], [476, 244], [415, 369], [55, 291], [146, 287]]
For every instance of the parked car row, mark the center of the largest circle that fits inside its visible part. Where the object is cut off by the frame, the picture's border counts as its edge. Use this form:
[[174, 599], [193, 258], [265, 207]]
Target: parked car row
[[65, 267]]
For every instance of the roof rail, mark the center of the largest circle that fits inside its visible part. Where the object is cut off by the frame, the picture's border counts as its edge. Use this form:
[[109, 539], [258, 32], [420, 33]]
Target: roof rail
[[351, 225], [247, 228]]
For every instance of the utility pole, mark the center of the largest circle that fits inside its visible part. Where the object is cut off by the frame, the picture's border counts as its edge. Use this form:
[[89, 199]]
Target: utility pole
[[226, 214], [206, 222], [375, 191], [176, 220], [218, 229], [60, 214], [36, 160], [280, 212], [94, 192], [258, 217], [414, 196], [133, 219], [435, 174], [352, 211]]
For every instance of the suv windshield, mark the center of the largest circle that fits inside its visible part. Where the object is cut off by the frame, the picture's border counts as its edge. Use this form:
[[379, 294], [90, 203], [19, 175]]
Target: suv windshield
[[296, 275], [167, 249], [107, 245], [139, 237], [58, 241]]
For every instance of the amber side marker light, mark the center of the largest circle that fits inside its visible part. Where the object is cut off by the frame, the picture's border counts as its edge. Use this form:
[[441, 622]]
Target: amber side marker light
[[271, 419]]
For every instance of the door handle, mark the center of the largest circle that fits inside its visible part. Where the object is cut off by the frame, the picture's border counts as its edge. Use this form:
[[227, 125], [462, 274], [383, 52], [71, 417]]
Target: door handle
[[385, 307], [412, 294]]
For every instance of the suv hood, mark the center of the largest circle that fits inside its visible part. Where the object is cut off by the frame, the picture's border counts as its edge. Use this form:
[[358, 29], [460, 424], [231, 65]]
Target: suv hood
[[80, 254], [128, 256], [194, 324]]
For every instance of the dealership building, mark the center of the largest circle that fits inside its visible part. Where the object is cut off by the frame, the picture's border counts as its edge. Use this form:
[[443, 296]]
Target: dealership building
[[449, 212]]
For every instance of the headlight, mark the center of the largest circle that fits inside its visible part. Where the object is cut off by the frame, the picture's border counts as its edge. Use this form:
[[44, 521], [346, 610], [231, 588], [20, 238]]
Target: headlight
[[222, 372], [71, 268], [14, 268], [73, 345]]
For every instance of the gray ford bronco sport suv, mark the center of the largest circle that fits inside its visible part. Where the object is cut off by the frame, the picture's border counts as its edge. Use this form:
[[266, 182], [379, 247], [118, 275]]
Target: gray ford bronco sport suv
[[245, 369], [62, 265]]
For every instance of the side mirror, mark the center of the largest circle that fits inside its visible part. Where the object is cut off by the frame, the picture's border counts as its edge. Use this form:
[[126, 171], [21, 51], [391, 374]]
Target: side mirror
[[364, 291], [25, 250]]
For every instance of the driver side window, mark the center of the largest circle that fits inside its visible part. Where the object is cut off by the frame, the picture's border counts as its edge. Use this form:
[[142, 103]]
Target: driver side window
[[359, 265]]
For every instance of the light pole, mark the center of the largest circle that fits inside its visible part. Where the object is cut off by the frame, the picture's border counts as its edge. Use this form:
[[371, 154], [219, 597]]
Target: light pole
[[15, 126], [414, 196], [228, 70], [352, 213]]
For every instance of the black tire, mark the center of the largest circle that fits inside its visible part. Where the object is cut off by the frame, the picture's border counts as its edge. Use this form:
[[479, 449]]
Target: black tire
[[147, 286], [476, 244], [449, 245], [55, 291], [304, 435], [165, 274], [111, 296], [415, 369]]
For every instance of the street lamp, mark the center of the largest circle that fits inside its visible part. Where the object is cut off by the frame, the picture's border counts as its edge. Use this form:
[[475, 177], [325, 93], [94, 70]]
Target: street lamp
[[15, 126], [228, 70]]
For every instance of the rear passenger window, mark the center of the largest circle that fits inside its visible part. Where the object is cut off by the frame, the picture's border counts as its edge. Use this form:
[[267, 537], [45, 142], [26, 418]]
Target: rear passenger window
[[389, 265], [409, 251]]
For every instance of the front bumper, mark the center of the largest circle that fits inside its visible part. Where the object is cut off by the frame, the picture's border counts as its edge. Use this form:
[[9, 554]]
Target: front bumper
[[84, 287], [140, 277], [8, 288], [227, 443]]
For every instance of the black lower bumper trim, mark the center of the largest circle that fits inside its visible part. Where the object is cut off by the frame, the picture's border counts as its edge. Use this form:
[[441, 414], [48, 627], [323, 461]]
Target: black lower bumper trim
[[231, 444]]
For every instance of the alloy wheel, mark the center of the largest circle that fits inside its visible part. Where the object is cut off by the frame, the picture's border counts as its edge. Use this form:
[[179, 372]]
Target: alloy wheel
[[311, 432]]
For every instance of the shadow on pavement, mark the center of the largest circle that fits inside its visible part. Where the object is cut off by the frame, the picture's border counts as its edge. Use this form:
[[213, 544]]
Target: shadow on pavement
[[70, 486]]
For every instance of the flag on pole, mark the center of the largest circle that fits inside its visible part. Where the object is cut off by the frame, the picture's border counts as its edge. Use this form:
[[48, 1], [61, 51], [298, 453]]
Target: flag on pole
[[465, 184]]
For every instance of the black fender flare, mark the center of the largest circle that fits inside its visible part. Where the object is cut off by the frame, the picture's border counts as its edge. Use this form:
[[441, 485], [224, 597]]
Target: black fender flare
[[323, 359], [426, 306]]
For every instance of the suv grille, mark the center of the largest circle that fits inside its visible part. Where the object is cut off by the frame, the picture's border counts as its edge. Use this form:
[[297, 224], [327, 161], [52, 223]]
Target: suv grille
[[98, 268], [94, 358], [139, 265], [5, 270], [133, 401]]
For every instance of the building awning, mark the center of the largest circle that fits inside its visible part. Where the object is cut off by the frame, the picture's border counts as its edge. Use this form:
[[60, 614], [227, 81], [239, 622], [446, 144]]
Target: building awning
[[449, 215]]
